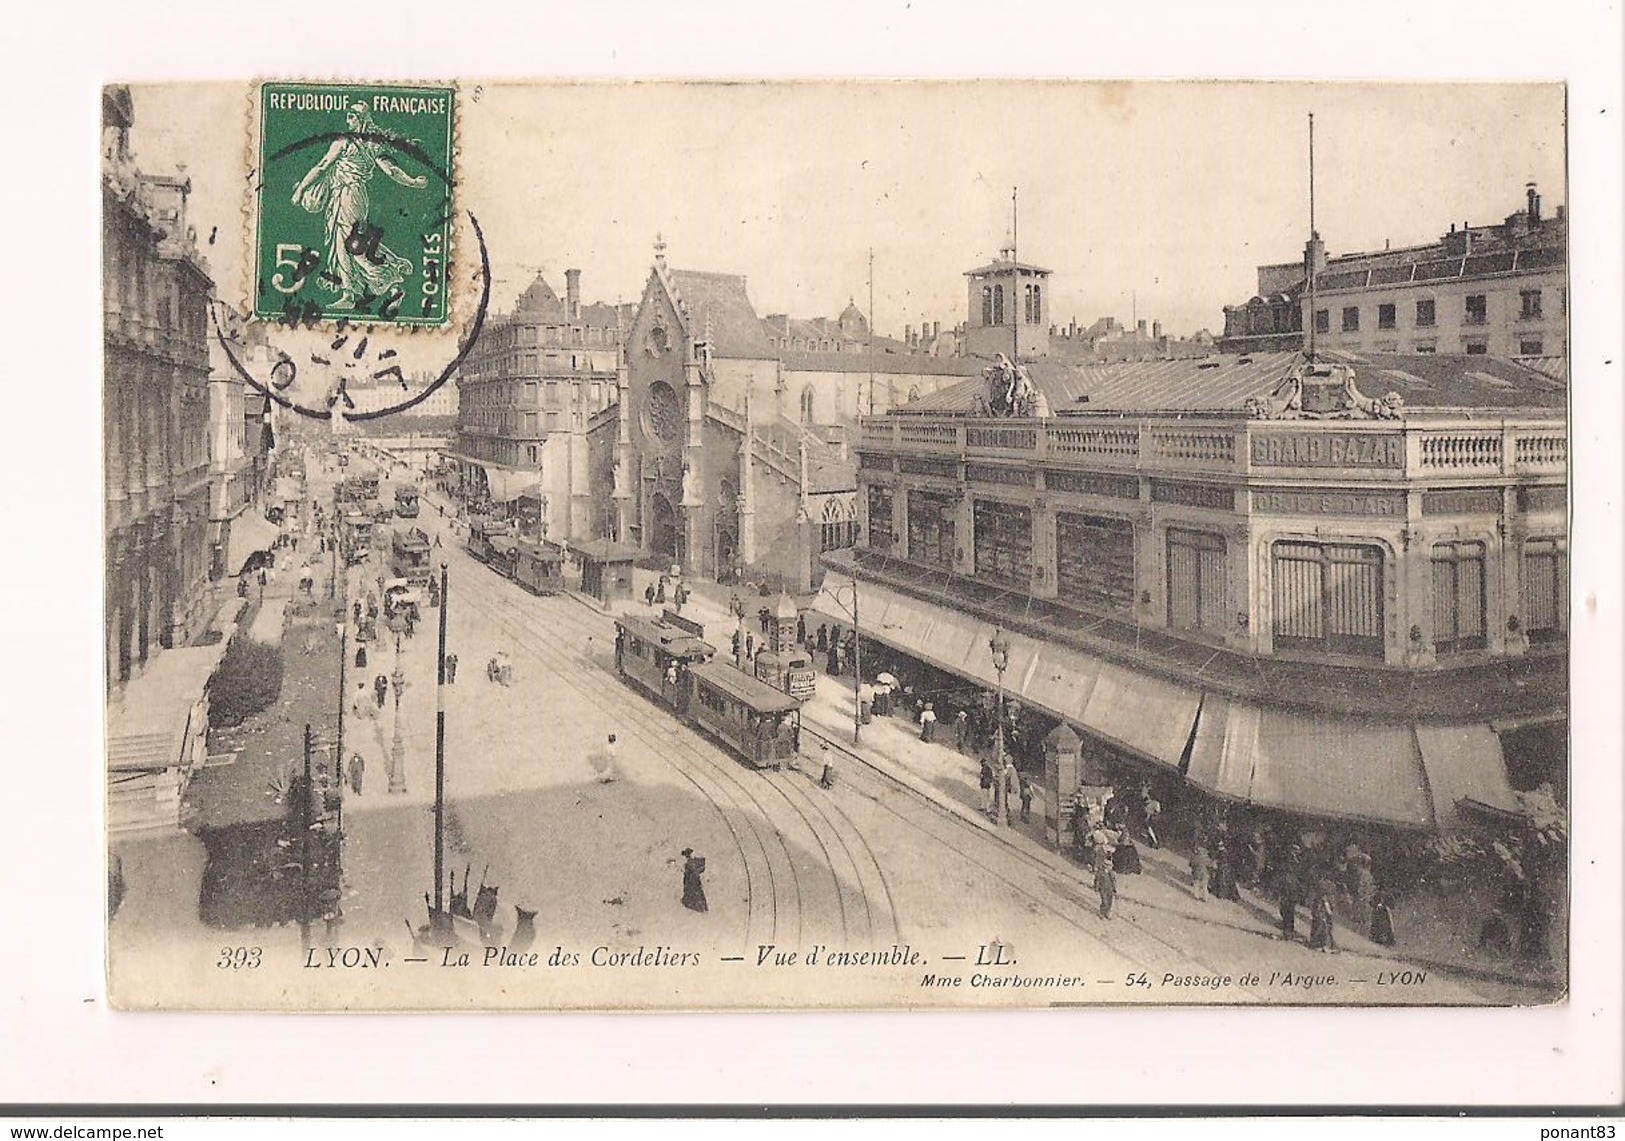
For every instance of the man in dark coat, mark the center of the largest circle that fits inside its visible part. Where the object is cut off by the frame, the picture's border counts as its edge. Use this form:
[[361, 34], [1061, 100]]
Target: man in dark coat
[[380, 689], [693, 889]]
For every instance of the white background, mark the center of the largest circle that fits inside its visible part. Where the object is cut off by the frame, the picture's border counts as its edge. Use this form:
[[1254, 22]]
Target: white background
[[58, 1039]]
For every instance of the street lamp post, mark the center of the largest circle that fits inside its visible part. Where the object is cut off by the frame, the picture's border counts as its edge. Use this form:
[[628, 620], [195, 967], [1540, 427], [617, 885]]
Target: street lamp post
[[338, 751], [397, 751], [1000, 647], [857, 654]]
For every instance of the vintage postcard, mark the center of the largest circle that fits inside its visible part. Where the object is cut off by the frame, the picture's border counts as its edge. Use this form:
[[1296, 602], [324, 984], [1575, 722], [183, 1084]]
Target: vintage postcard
[[656, 546]]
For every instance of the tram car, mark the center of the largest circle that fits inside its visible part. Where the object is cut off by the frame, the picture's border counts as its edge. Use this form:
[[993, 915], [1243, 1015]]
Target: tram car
[[483, 537], [406, 502], [355, 537], [503, 556], [646, 650], [789, 671], [760, 723], [538, 566], [670, 661], [410, 557]]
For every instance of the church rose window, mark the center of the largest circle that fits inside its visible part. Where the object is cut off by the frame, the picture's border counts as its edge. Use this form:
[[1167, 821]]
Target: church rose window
[[662, 416]]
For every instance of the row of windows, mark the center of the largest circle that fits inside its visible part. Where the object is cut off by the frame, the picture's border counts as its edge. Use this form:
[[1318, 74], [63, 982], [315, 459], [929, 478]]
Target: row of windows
[[1325, 597], [1475, 311], [1032, 311]]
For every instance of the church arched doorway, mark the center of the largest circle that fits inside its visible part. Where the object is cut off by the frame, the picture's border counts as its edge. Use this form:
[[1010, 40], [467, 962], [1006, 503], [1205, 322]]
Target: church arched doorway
[[662, 527]]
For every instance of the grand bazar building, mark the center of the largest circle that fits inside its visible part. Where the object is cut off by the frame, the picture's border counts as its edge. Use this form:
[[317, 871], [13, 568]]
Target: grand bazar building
[[1336, 590]]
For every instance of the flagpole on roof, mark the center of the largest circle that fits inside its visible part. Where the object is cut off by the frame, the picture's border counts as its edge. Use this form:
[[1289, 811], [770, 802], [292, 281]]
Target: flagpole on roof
[[1015, 280], [1311, 267]]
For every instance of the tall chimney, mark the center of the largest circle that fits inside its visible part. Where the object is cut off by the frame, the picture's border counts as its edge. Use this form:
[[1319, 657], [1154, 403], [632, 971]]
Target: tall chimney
[[1156, 329], [908, 335], [1534, 203], [1139, 327], [936, 329], [572, 294]]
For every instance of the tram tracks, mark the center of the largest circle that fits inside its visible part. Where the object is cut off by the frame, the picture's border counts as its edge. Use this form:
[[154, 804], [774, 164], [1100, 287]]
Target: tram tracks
[[1148, 951], [834, 833], [776, 913]]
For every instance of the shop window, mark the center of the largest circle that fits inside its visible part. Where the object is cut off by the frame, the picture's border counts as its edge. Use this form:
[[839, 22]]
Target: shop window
[[931, 528], [1094, 561], [1327, 597], [1196, 581], [1004, 542], [1546, 589], [1458, 597], [880, 517], [1385, 316], [1426, 315]]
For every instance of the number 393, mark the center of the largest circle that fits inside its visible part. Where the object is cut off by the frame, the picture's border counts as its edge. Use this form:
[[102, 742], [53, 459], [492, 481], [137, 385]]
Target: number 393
[[238, 958]]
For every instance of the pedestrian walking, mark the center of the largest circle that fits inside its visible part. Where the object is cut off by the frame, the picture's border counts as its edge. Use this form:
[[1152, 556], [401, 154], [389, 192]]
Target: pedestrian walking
[[1105, 883], [660, 591], [411, 626], [750, 646], [987, 789], [1009, 788], [606, 762], [380, 689], [764, 618], [1026, 798], [801, 629], [1150, 810], [1288, 887], [693, 888], [649, 595], [1321, 934], [1224, 872], [358, 770], [361, 657], [866, 702], [928, 724], [1201, 869], [451, 669], [1362, 887], [822, 645], [1382, 922]]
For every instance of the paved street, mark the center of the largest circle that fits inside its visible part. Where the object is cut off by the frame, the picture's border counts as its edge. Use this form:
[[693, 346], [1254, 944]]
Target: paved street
[[874, 862], [893, 860]]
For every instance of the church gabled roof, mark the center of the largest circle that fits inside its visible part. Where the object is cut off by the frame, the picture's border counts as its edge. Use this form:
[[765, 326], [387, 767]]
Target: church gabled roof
[[716, 306]]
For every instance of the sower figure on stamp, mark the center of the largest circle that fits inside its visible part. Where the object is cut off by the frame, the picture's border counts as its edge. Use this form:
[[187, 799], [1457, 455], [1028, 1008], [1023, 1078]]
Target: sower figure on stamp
[[337, 189]]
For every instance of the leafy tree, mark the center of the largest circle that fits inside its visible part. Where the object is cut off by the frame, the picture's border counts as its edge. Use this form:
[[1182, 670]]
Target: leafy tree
[[247, 680]]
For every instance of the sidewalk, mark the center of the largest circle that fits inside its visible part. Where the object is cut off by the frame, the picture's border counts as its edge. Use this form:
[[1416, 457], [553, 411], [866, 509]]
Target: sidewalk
[[950, 779]]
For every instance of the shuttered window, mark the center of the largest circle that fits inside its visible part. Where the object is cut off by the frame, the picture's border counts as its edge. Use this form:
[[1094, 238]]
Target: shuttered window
[[1327, 597], [1094, 561], [931, 528], [1546, 588], [1196, 581], [1004, 542], [880, 532], [1458, 597]]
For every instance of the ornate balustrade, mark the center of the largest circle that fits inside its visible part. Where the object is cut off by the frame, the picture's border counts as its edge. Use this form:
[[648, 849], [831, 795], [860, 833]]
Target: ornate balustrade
[[1341, 449]]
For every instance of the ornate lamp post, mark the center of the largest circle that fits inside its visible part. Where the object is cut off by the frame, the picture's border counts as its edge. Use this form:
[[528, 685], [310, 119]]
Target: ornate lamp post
[[397, 751], [1000, 647], [343, 629]]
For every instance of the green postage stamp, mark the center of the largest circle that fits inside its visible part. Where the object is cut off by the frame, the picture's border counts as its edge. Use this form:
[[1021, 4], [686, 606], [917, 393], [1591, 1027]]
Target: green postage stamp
[[353, 203]]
